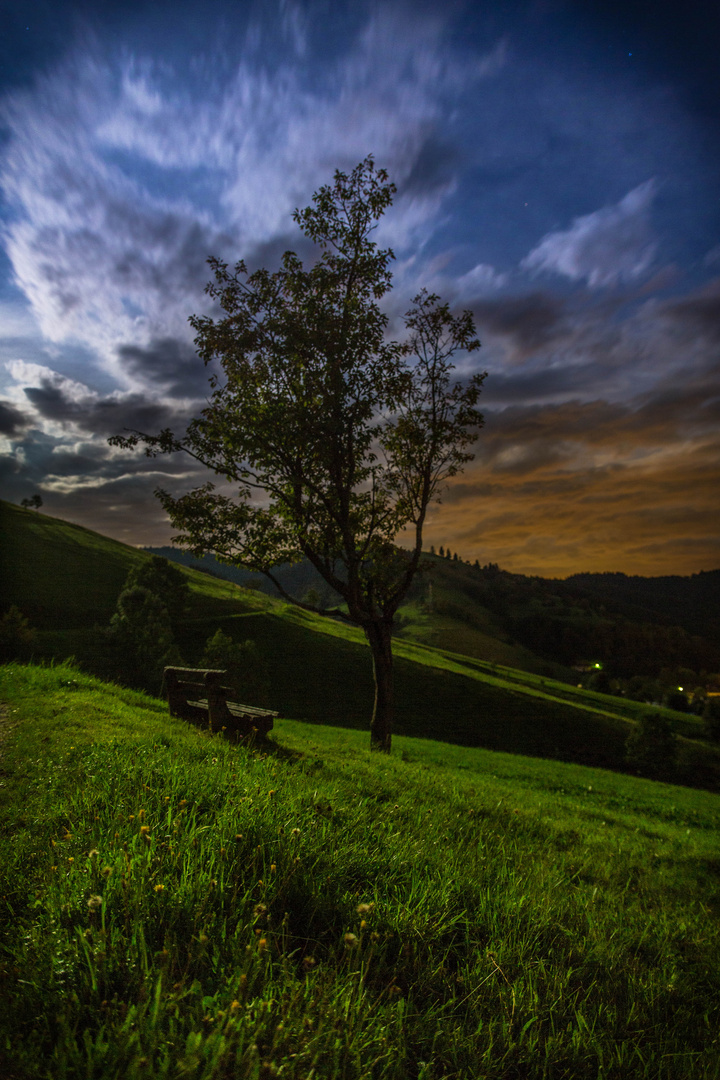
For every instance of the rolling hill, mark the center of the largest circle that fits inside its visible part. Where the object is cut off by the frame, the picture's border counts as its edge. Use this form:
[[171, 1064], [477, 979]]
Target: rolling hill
[[66, 579]]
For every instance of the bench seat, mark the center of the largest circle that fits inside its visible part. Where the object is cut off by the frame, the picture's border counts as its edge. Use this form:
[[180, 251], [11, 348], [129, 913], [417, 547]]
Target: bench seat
[[197, 694]]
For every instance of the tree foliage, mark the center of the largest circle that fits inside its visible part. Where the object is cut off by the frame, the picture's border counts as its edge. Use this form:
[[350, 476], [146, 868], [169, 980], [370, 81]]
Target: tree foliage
[[141, 638], [247, 671], [165, 581], [335, 440], [651, 748]]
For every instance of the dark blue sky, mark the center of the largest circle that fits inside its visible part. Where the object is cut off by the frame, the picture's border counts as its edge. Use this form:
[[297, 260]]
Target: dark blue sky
[[558, 171]]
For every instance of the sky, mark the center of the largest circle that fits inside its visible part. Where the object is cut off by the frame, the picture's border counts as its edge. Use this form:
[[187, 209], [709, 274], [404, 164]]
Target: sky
[[558, 174]]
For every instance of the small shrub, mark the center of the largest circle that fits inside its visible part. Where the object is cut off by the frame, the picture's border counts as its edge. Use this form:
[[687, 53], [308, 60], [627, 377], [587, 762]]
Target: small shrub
[[711, 719], [16, 636], [652, 747]]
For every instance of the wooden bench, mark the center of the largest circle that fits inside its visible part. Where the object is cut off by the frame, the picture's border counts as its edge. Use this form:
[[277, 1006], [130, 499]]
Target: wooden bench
[[197, 694]]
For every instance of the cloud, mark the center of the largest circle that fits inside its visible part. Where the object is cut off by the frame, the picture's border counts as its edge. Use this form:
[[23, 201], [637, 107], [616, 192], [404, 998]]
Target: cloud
[[12, 420], [529, 322], [697, 314], [168, 363], [124, 175], [603, 248]]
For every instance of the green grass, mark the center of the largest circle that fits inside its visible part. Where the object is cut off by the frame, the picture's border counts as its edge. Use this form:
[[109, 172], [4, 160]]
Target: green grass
[[175, 906]]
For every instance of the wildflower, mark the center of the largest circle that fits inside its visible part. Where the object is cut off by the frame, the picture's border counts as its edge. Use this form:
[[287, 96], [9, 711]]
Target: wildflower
[[159, 887], [272, 868], [183, 802], [70, 859], [141, 815], [95, 902], [365, 909], [262, 944], [350, 940], [234, 1005]]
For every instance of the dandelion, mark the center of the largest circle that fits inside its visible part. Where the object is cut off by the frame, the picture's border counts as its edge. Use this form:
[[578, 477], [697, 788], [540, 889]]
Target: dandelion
[[365, 909], [308, 963], [183, 802], [350, 940], [295, 833], [70, 859], [159, 888], [273, 868], [106, 871], [262, 944], [234, 1005], [93, 853], [95, 902], [141, 815]]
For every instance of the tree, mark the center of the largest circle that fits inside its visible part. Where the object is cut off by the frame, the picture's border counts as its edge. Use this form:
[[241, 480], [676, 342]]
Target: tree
[[33, 503], [336, 439], [142, 637], [165, 581], [246, 669], [651, 748]]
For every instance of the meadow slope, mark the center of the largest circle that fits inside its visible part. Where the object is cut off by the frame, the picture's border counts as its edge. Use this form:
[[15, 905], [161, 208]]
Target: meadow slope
[[175, 906]]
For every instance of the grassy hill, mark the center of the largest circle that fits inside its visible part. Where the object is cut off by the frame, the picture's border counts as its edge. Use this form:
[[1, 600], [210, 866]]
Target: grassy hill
[[320, 668], [174, 906], [639, 628]]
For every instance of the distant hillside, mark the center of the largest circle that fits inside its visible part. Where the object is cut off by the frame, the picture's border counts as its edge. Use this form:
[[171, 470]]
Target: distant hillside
[[632, 626], [296, 578], [59, 575], [690, 602]]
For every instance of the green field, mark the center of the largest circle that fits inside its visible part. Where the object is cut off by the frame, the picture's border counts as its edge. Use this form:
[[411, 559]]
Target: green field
[[66, 579], [175, 906]]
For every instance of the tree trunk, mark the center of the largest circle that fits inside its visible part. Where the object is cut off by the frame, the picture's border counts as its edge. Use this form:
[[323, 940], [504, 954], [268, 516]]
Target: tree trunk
[[380, 639]]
